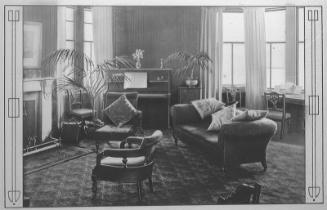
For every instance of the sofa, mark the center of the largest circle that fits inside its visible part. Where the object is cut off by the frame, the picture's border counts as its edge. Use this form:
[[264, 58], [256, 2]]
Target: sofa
[[235, 143]]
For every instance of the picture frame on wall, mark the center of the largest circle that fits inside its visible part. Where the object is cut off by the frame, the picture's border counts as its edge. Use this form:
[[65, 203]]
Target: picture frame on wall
[[32, 44]]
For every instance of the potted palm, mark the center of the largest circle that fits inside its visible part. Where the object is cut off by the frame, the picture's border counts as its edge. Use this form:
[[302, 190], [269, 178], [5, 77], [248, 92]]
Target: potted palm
[[186, 64], [83, 74]]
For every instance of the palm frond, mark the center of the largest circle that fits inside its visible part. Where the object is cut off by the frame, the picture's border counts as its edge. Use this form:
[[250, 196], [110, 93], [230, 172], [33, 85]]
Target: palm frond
[[186, 63], [68, 56]]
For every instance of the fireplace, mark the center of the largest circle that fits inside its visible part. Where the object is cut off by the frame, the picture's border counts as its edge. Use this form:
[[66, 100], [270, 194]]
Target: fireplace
[[37, 115]]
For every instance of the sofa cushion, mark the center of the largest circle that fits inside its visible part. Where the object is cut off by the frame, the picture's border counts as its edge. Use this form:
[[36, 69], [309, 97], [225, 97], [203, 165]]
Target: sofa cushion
[[250, 115], [205, 107], [222, 117], [199, 131], [120, 111]]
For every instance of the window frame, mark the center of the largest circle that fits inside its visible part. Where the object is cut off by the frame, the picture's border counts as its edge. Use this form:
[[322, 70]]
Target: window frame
[[270, 43], [232, 45], [298, 42], [74, 26]]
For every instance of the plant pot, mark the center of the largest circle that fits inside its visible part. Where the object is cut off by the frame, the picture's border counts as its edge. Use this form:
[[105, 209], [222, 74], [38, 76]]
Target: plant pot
[[191, 82]]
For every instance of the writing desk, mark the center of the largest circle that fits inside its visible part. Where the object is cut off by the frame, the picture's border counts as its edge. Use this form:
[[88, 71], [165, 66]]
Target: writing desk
[[294, 99]]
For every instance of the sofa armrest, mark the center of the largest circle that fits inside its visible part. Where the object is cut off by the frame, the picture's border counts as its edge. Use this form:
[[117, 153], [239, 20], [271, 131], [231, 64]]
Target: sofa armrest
[[240, 129], [183, 113]]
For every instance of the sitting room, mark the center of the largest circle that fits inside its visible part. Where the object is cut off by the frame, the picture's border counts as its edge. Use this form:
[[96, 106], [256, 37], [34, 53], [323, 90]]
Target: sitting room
[[164, 105]]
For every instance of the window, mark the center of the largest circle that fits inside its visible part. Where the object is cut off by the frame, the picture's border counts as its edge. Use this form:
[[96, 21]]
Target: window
[[233, 49], [275, 47], [70, 27], [300, 47], [88, 33], [70, 36]]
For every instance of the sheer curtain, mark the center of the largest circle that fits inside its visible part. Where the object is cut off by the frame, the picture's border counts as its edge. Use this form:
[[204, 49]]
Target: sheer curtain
[[212, 43], [103, 42], [61, 44], [255, 56], [291, 52]]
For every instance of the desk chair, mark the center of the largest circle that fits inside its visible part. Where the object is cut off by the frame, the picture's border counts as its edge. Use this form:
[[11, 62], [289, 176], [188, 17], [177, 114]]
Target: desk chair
[[234, 94], [80, 107], [275, 103]]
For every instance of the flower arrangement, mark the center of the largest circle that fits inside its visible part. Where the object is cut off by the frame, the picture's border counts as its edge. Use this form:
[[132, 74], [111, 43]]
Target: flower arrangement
[[138, 55]]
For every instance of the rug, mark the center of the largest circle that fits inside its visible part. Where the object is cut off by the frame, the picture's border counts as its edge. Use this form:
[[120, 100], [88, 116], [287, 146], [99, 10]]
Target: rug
[[183, 175], [52, 157]]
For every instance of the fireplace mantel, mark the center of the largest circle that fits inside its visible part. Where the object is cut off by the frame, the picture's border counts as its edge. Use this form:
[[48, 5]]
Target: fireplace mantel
[[35, 84]]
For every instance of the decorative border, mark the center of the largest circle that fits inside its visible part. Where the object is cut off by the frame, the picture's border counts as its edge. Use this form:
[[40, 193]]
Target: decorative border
[[314, 119], [13, 94], [13, 161]]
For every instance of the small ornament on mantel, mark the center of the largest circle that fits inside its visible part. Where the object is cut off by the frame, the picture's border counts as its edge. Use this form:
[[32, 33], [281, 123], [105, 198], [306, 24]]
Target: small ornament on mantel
[[161, 63], [138, 55]]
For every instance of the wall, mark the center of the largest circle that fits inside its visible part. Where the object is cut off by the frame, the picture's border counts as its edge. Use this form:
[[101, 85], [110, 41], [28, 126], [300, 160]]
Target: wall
[[45, 106], [158, 30], [47, 15]]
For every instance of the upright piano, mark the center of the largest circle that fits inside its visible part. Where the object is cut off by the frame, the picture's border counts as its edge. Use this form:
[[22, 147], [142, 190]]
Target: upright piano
[[154, 88]]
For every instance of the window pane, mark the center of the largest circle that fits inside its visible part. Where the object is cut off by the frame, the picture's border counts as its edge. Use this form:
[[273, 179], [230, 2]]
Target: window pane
[[88, 32], [87, 49], [301, 65], [275, 26], [233, 27], [69, 30], [227, 65], [70, 44], [277, 64], [88, 16], [239, 64], [69, 13], [268, 65], [301, 24]]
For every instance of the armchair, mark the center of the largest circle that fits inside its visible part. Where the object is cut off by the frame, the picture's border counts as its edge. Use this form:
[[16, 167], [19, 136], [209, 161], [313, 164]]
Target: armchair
[[112, 132], [132, 162]]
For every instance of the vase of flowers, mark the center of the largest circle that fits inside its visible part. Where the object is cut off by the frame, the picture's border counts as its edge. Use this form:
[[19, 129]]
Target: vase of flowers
[[137, 56]]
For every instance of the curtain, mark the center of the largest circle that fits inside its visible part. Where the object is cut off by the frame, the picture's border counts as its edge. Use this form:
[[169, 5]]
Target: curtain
[[61, 44], [290, 50], [103, 43], [102, 33], [255, 57], [212, 43]]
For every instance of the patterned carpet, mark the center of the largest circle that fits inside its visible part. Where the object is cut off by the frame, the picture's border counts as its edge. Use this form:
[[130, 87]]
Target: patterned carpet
[[46, 159], [183, 175]]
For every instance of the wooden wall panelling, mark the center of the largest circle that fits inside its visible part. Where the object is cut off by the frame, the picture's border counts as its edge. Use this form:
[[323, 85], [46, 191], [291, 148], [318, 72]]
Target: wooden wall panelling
[[159, 31]]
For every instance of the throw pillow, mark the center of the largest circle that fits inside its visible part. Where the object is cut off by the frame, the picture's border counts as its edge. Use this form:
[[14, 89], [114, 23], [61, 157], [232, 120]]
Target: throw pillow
[[222, 117], [205, 107], [250, 115], [120, 111]]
